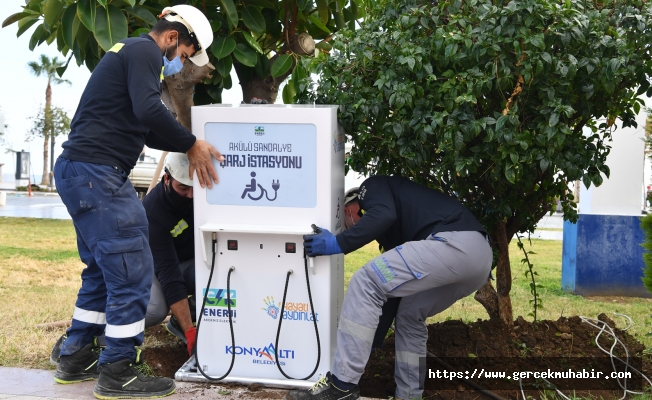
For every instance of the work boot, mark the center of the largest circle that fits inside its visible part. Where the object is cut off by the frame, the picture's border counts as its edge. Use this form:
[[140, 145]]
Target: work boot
[[79, 366], [56, 349], [174, 328], [127, 379], [324, 389]]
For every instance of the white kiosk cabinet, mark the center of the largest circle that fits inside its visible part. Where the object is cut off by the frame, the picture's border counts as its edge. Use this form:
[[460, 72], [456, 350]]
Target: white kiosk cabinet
[[284, 170]]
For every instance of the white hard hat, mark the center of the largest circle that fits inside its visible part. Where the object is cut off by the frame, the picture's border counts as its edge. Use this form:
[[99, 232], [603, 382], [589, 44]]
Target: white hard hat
[[198, 26], [177, 165], [351, 194]]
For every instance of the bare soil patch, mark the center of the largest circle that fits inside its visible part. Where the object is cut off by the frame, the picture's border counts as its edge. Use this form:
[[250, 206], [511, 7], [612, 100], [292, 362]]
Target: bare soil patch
[[482, 345]]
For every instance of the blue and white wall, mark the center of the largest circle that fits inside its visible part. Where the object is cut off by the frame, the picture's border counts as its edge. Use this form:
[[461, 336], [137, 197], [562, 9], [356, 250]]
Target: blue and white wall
[[602, 253]]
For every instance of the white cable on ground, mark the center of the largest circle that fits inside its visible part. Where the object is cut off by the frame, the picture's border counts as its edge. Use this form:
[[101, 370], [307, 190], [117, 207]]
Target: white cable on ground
[[606, 328]]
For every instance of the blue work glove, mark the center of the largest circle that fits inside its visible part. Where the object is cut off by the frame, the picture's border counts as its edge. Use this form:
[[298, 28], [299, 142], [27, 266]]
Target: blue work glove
[[321, 243]]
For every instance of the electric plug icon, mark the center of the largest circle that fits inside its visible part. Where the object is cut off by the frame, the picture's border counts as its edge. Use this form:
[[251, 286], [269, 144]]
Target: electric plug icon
[[276, 185]]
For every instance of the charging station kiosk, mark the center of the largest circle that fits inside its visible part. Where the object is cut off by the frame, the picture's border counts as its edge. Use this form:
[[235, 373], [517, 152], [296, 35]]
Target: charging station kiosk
[[283, 171]]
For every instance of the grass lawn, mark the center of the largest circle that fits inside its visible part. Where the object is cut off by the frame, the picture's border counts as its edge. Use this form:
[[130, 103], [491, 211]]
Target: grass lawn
[[40, 268]]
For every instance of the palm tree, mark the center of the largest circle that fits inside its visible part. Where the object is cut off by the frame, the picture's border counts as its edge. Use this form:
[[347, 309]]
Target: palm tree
[[47, 67]]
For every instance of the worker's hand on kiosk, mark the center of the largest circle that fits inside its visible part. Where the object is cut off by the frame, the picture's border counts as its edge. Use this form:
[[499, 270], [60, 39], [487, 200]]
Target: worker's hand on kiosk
[[191, 335], [320, 243], [200, 156]]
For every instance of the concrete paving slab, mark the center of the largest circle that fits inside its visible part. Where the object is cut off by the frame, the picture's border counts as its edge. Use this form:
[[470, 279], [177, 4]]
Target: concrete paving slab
[[35, 384]]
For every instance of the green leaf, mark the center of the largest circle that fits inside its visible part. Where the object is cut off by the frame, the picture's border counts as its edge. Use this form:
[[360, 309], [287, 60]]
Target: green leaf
[[102, 3], [252, 42], [324, 46], [544, 164], [554, 118], [501, 122], [37, 37], [262, 67], [281, 65], [215, 92], [546, 57], [340, 21], [142, 13], [289, 93], [139, 32], [323, 11], [15, 18], [86, 11], [459, 140], [318, 23], [222, 47], [245, 55], [231, 12], [223, 66], [67, 23], [61, 70], [253, 19], [110, 27], [510, 175], [538, 41], [132, 2], [24, 24], [51, 11]]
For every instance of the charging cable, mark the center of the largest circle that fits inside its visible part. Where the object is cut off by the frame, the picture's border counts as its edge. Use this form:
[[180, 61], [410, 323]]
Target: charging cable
[[201, 315], [314, 320]]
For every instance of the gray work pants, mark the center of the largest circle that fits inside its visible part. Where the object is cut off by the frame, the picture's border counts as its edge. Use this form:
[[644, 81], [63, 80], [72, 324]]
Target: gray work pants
[[157, 308], [430, 275]]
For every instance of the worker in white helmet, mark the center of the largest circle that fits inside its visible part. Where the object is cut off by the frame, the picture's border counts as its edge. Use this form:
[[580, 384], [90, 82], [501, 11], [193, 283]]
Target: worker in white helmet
[[119, 112], [172, 240]]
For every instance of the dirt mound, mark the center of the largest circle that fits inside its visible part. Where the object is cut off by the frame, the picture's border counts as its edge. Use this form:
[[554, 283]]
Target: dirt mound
[[485, 345]]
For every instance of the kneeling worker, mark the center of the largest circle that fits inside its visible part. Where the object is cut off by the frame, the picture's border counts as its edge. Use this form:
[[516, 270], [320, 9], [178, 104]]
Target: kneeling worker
[[171, 238], [435, 253]]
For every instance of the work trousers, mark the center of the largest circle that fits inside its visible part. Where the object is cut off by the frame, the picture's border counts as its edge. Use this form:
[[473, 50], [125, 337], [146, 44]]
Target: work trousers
[[112, 239], [429, 275], [158, 308]]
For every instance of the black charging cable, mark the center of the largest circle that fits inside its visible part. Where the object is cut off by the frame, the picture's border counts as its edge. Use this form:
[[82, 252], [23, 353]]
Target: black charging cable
[[314, 320], [201, 316]]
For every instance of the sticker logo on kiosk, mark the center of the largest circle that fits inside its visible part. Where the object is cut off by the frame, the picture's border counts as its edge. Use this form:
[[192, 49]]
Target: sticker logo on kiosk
[[261, 355], [217, 305], [273, 165], [292, 312]]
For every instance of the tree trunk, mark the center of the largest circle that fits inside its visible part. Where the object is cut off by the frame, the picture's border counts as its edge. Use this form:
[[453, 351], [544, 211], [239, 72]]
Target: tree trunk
[[497, 301], [267, 88], [45, 179], [177, 90], [503, 274]]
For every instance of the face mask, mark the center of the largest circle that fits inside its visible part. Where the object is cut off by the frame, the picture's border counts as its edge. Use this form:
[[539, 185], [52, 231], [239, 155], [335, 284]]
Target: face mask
[[174, 66], [177, 201]]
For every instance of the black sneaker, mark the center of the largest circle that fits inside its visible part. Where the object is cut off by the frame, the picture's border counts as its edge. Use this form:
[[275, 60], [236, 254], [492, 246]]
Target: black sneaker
[[324, 389], [80, 366], [174, 328], [126, 379]]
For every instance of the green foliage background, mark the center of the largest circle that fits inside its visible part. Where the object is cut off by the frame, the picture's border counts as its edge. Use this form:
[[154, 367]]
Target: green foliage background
[[251, 33], [500, 104]]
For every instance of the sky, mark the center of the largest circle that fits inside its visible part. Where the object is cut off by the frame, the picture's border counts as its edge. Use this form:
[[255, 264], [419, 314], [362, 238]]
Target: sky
[[22, 93]]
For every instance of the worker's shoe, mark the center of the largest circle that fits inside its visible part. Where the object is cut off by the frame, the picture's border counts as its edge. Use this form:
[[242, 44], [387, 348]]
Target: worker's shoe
[[174, 328], [56, 349], [325, 389], [79, 366], [126, 379]]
